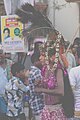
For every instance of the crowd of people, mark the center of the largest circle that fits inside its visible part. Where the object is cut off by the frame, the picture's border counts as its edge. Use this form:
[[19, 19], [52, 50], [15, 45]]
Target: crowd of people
[[50, 84]]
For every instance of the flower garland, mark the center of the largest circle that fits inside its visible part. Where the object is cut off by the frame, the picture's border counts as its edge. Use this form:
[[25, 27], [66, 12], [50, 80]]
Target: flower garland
[[49, 80], [57, 45]]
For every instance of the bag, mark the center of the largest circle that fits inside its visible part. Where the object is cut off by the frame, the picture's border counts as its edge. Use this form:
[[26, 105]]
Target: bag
[[68, 98]]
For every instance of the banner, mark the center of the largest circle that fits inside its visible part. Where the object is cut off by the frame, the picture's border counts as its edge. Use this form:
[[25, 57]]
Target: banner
[[13, 46], [11, 30]]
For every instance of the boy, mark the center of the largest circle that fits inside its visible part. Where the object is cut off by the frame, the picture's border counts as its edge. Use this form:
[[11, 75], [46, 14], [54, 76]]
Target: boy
[[14, 92]]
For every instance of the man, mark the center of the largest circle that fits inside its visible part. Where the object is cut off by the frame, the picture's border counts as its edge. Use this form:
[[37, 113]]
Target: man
[[15, 90], [3, 82], [74, 77], [35, 78]]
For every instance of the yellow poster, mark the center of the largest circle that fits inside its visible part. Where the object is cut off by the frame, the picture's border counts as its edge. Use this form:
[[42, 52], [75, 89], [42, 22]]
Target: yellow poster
[[11, 34], [11, 29]]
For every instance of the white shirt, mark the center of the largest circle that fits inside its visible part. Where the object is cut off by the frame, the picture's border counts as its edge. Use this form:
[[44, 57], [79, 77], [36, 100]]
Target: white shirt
[[71, 61], [3, 81], [74, 77]]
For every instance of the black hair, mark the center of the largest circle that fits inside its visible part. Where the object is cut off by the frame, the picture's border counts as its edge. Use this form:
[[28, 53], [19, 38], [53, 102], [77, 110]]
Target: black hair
[[78, 52], [35, 57], [16, 68], [7, 30], [51, 52], [68, 98], [66, 44], [77, 41]]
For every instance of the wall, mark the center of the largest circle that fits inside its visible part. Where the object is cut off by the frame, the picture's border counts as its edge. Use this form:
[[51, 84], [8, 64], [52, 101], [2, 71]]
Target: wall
[[65, 19], [2, 9]]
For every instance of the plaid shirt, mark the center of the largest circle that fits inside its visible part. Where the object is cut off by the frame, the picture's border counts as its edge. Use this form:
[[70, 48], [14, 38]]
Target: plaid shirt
[[36, 99]]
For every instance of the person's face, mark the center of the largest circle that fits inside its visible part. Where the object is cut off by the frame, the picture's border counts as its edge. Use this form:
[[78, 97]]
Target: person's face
[[74, 49], [6, 33], [42, 58], [22, 74], [52, 58]]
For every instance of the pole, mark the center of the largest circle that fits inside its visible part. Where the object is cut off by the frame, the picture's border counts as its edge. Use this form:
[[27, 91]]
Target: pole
[[79, 19], [54, 14]]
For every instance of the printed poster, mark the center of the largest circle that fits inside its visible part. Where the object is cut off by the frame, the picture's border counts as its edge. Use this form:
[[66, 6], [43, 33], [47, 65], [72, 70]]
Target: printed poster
[[11, 32]]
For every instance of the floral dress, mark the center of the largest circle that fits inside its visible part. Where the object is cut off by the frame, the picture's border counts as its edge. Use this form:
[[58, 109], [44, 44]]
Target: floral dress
[[51, 111]]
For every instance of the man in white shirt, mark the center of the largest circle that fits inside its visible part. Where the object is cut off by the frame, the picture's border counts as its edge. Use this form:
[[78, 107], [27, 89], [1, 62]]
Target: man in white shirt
[[71, 61], [70, 56], [3, 82], [74, 77]]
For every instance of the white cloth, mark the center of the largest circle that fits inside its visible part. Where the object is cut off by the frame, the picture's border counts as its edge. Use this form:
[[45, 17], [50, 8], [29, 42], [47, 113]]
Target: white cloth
[[74, 77], [7, 4], [11, 5], [71, 61], [37, 117], [27, 1], [3, 81]]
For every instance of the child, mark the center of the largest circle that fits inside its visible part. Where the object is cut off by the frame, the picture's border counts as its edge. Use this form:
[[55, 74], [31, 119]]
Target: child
[[14, 92]]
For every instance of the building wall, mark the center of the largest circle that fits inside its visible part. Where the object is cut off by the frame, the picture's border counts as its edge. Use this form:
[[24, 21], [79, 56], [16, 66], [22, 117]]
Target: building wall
[[65, 19], [2, 9]]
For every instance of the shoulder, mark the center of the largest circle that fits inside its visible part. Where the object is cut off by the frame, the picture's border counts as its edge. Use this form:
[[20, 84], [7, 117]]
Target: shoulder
[[74, 70], [34, 70], [35, 73], [12, 82], [70, 55]]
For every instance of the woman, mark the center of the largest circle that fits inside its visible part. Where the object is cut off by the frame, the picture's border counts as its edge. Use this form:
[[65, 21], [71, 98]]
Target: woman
[[53, 83], [53, 87]]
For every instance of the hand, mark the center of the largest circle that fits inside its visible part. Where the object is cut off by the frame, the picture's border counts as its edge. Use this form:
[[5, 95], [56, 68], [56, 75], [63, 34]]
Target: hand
[[37, 82], [16, 83], [39, 90], [26, 82], [26, 73]]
